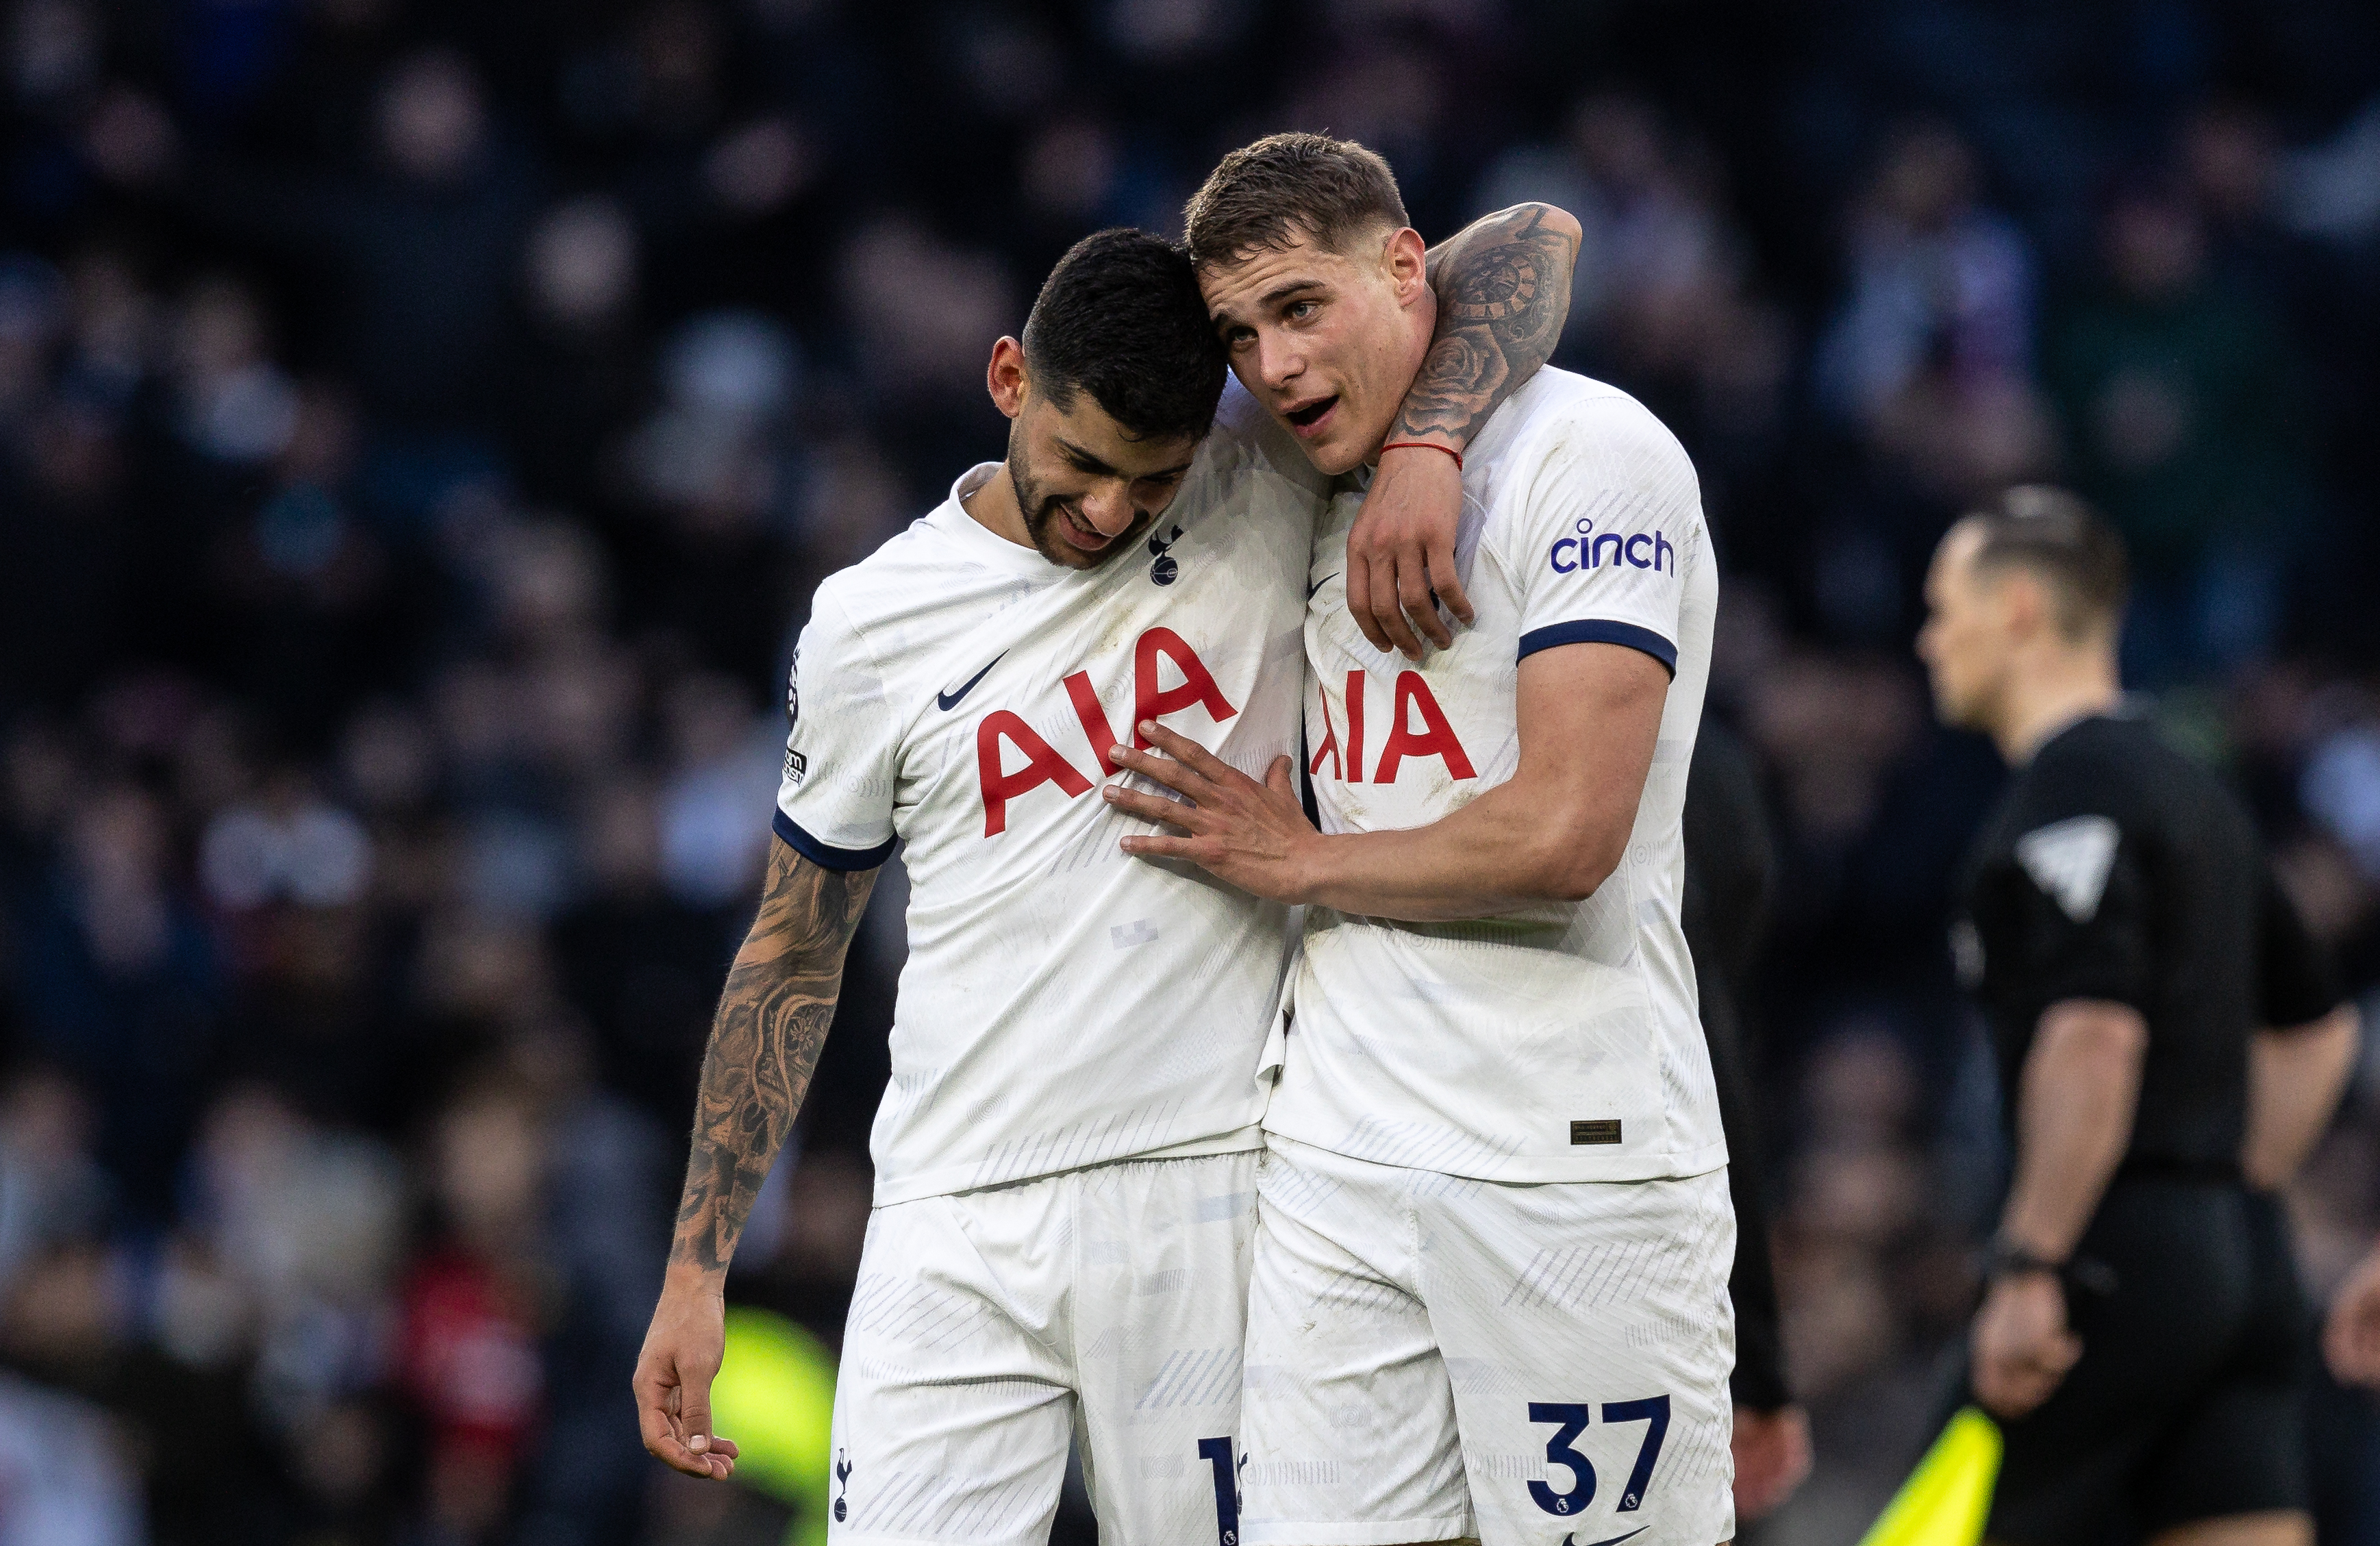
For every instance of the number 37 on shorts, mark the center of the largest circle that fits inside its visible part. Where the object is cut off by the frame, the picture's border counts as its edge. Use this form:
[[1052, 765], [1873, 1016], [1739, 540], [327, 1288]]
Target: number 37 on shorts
[[1571, 1419]]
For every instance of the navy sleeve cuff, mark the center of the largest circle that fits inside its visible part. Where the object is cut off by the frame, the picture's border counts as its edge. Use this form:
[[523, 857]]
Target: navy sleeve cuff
[[1601, 630], [826, 856]]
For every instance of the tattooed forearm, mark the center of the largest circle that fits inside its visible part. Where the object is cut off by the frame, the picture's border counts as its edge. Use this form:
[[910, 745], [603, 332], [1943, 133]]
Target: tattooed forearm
[[764, 1044], [1503, 292]]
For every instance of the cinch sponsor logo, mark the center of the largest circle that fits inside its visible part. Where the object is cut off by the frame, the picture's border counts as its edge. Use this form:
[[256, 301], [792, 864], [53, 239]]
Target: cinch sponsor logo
[[1001, 736], [1418, 728], [1638, 550]]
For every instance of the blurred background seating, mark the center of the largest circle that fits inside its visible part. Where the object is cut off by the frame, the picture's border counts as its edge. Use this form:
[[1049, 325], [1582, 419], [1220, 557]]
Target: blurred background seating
[[422, 425]]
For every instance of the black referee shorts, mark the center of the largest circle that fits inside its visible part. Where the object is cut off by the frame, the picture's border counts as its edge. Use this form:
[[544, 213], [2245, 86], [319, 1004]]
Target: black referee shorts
[[2188, 1400]]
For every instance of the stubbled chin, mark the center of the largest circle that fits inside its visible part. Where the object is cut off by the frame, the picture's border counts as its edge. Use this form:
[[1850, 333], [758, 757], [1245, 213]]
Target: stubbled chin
[[1332, 459]]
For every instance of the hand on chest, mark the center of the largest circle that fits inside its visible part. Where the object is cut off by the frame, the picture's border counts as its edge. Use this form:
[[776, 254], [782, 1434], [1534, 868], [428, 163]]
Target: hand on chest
[[1028, 734]]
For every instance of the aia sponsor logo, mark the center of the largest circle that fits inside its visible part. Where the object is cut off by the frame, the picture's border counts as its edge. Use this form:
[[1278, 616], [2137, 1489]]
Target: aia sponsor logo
[[1590, 550], [1416, 729], [1002, 736]]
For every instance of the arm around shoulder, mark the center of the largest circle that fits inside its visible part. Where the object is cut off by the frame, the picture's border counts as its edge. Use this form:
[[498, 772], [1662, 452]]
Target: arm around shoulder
[[1503, 286]]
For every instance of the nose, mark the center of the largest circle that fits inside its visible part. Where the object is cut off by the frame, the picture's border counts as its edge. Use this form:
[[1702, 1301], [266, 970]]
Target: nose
[[1108, 507], [1278, 361]]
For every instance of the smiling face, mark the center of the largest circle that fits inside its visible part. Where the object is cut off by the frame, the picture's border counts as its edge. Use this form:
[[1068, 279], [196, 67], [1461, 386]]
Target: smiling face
[[1084, 488], [1329, 341]]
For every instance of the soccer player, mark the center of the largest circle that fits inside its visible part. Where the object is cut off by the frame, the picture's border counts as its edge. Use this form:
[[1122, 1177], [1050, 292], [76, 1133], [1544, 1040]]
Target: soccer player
[[2140, 1339], [1065, 1157], [1490, 1297]]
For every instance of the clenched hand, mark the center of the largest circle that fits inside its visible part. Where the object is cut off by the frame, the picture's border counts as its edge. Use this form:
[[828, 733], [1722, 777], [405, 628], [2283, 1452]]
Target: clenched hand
[[2021, 1345]]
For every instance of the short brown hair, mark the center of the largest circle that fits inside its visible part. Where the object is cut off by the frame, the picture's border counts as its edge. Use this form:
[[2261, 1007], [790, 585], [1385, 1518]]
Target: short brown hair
[[1264, 195], [2060, 538]]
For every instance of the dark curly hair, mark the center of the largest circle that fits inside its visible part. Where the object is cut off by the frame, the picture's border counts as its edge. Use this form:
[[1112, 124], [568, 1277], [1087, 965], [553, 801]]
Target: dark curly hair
[[1120, 318]]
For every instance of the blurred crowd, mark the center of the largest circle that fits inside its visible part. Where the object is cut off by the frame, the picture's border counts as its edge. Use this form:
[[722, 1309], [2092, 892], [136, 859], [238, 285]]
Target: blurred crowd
[[422, 426]]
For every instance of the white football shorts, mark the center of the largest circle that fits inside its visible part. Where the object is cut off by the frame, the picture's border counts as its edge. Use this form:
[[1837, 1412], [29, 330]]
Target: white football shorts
[[1432, 1357], [988, 1327]]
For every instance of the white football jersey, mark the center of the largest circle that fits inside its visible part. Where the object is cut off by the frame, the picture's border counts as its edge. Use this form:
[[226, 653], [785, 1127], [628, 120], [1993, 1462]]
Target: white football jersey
[[1063, 1004], [1563, 1042]]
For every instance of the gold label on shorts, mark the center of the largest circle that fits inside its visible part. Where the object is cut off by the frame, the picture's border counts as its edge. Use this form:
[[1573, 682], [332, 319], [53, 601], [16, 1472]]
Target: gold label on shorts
[[1605, 1131]]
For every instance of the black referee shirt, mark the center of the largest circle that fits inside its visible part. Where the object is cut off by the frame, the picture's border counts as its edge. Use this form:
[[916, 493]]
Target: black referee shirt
[[2118, 869]]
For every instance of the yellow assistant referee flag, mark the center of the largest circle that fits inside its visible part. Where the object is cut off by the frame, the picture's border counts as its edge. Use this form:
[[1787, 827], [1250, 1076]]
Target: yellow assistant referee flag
[[1948, 1497]]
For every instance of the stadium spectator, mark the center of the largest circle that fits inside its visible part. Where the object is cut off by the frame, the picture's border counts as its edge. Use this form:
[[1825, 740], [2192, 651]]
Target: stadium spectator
[[2181, 400], [1937, 281], [440, 416]]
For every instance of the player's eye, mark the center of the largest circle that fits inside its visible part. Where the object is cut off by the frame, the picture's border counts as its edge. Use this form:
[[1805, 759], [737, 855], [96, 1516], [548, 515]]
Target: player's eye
[[1298, 310]]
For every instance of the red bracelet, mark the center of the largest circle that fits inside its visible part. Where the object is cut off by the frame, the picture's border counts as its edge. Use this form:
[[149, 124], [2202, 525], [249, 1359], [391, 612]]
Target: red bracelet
[[1426, 446]]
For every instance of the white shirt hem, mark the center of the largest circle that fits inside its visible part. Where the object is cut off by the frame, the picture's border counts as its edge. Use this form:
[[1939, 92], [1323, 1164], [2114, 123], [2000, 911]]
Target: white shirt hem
[[1538, 1169], [950, 1179]]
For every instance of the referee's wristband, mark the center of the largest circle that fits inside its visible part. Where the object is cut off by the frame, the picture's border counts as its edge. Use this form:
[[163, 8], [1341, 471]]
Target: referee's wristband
[[2003, 1258]]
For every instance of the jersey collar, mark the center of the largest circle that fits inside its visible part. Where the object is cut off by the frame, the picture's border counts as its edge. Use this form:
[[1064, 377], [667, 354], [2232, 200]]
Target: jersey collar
[[950, 519]]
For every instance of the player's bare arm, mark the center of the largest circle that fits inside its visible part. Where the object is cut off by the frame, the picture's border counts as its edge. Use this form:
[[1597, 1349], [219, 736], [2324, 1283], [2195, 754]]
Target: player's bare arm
[[1503, 293], [1502, 285], [1589, 717], [765, 1042], [2076, 1100]]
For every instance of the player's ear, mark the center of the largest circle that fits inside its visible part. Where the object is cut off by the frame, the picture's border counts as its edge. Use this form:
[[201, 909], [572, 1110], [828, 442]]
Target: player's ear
[[1005, 377], [1405, 259]]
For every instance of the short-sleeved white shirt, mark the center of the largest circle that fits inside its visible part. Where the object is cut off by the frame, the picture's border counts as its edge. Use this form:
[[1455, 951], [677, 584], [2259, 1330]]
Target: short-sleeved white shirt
[[1563, 1042], [1063, 1004]]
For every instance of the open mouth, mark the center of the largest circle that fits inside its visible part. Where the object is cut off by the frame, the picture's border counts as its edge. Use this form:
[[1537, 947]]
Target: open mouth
[[1310, 416], [1076, 533]]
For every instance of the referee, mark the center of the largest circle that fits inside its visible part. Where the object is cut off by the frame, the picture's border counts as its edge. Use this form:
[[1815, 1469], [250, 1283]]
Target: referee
[[2141, 1338]]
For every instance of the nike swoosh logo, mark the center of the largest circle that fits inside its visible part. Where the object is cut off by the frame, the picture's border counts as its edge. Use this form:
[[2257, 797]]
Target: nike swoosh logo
[[1612, 1540], [950, 700], [1320, 583]]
